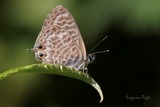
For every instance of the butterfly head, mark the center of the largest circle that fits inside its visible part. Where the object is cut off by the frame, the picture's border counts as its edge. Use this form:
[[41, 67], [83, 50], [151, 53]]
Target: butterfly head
[[90, 59]]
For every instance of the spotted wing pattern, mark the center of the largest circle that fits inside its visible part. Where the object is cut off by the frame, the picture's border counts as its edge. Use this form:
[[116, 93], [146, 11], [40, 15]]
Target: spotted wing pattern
[[60, 41]]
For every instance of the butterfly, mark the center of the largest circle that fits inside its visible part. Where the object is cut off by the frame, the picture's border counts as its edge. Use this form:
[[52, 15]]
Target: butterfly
[[60, 41]]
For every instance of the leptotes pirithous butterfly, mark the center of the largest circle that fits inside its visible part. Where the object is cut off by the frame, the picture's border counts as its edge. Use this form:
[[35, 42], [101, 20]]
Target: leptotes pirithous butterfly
[[60, 42]]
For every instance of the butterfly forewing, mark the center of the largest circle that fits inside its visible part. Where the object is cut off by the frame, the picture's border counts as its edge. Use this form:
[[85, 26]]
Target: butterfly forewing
[[60, 41]]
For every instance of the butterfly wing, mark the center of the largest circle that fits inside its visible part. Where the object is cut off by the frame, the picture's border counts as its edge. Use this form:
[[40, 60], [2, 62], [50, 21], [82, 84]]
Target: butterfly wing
[[60, 41]]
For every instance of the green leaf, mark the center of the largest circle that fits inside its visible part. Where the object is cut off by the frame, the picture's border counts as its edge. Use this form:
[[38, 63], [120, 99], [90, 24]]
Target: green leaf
[[55, 69]]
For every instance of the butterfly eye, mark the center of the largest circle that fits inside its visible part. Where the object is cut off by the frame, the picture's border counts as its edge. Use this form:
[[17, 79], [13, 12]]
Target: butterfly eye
[[40, 47], [41, 55]]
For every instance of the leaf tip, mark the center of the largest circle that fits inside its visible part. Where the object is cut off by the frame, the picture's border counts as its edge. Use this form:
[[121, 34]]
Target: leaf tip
[[98, 88]]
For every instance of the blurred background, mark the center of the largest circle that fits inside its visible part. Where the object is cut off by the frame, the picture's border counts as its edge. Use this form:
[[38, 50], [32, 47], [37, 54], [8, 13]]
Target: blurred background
[[130, 69]]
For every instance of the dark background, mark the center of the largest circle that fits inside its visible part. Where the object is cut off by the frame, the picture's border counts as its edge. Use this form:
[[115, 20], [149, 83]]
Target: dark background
[[130, 69]]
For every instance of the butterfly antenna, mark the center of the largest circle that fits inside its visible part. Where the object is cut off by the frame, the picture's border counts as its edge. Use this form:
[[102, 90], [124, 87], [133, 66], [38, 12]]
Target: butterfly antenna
[[98, 44], [100, 52]]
